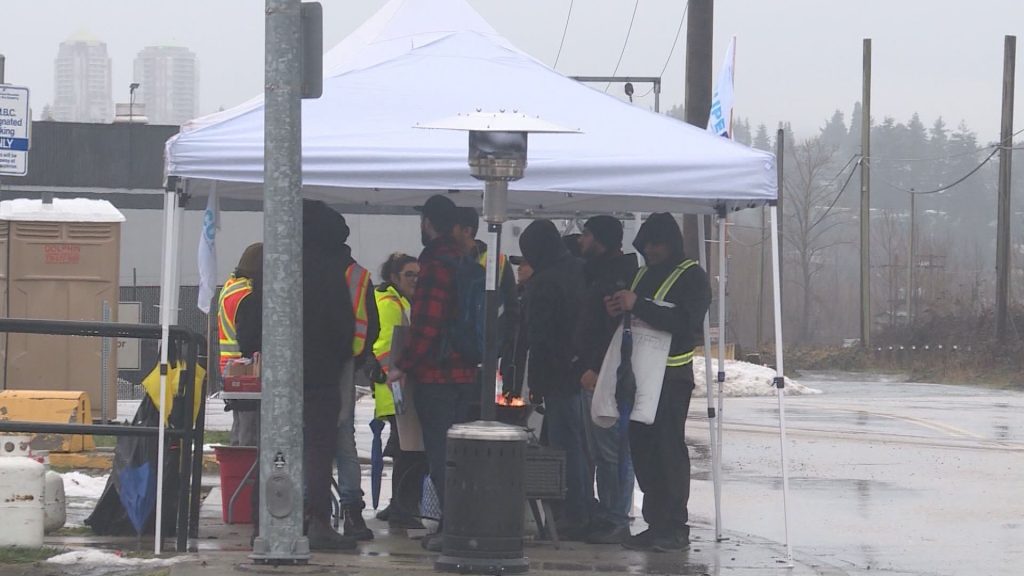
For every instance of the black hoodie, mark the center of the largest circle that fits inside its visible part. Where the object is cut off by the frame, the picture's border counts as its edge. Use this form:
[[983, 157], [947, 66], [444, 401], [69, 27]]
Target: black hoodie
[[552, 316], [690, 296], [605, 275]]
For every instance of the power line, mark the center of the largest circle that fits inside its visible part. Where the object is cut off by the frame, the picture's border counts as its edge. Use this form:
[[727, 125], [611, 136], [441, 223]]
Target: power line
[[565, 30], [947, 187], [839, 195], [625, 43], [668, 59]]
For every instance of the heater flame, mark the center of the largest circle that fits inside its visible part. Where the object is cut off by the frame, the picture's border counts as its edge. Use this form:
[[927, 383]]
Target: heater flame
[[503, 400]]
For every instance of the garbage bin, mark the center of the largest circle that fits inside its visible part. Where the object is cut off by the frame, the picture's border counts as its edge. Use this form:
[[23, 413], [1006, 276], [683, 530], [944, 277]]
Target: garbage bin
[[235, 463], [485, 494]]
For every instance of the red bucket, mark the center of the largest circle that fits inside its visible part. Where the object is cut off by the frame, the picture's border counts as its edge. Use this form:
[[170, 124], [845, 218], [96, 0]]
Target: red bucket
[[235, 462]]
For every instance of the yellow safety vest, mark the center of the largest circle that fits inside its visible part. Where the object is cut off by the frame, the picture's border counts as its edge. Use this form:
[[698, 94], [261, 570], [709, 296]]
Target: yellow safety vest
[[393, 310], [231, 295], [358, 280], [482, 259], [659, 296]]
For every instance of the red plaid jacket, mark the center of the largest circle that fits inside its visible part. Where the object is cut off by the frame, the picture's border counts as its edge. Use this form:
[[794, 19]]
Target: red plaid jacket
[[433, 310]]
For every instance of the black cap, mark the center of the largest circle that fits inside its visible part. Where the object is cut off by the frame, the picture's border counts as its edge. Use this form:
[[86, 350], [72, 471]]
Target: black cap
[[440, 210], [516, 260], [607, 230], [467, 217]]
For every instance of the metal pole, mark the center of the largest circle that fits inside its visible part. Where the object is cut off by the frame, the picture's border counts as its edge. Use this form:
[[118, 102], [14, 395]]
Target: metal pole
[[104, 366], [865, 202], [712, 413], [722, 324], [780, 383], [699, 48], [1003, 261], [281, 445], [165, 324], [495, 211], [911, 259], [3, 64], [760, 285], [777, 222], [657, 96]]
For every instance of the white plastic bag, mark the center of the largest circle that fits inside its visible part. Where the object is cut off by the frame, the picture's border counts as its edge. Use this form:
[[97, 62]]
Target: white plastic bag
[[650, 353]]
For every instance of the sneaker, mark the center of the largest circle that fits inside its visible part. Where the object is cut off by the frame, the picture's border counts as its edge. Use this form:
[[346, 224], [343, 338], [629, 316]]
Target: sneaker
[[355, 526], [608, 534], [433, 542], [671, 541], [641, 541], [404, 522], [323, 537]]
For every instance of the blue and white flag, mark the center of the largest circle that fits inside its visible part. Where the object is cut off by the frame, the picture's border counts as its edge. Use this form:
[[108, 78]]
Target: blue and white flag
[[208, 251], [720, 120]]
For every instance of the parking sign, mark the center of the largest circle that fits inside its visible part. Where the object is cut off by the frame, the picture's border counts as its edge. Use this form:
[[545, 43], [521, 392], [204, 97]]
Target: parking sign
[[15, 122]]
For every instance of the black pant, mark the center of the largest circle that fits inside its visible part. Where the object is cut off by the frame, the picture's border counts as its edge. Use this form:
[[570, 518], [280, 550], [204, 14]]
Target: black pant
[[408, 471], [440, 406], [660, 457], [320, 409]]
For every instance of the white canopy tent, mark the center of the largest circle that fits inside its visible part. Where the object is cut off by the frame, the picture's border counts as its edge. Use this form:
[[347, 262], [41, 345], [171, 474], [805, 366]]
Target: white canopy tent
[[416, 61]]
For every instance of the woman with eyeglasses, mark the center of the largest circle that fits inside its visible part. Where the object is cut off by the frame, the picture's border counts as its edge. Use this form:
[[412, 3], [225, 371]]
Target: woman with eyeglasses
[[399, 273]]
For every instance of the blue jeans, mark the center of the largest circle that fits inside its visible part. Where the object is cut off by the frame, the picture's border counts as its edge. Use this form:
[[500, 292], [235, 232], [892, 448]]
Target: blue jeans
[[350, 475], [614, 465], [439, 407], [564, 421]]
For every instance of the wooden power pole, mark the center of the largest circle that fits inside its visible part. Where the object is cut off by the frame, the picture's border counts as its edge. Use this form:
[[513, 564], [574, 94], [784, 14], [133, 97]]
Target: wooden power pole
[[865, 202], [697, 104], [1003, 226]]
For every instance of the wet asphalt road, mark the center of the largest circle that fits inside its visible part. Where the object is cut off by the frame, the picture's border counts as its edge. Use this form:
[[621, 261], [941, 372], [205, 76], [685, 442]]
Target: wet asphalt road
[[885, 477]]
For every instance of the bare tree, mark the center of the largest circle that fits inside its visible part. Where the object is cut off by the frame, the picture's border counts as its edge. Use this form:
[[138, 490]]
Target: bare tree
[[814, 222]]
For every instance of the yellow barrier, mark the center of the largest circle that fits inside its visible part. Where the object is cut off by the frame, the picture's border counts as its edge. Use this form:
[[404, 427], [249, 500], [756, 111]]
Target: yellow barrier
[[51, 406]]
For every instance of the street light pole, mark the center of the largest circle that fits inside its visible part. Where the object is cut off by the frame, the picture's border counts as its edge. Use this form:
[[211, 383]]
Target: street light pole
[[280, 539]]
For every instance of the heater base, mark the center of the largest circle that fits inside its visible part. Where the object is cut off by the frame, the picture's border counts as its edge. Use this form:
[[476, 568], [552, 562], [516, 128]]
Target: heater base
[[462, 565]]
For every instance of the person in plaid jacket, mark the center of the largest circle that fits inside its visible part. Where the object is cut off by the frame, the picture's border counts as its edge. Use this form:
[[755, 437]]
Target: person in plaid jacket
[[446, 383]]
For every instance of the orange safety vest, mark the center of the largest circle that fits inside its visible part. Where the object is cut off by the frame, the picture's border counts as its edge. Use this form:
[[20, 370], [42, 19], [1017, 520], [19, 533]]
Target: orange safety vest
[[231, 295], [358, 280]]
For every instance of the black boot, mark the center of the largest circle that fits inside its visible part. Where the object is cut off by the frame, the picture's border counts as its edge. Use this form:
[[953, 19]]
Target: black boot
[[322, 537], [355, 526]]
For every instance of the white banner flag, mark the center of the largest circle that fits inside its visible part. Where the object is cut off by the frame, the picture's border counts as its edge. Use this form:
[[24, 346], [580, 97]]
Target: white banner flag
[[208, 251], [720, 120]]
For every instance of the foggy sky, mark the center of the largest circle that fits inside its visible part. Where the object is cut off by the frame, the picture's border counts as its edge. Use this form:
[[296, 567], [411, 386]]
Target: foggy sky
[[797, 60]]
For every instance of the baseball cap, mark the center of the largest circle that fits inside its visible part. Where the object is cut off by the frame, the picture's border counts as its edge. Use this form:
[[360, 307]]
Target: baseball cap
[[440, 210]]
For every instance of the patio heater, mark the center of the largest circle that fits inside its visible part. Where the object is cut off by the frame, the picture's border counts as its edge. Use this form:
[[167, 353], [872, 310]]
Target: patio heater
[[485, 489]]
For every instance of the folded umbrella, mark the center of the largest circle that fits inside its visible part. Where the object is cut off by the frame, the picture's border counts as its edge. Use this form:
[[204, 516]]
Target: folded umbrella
[[376, 460]]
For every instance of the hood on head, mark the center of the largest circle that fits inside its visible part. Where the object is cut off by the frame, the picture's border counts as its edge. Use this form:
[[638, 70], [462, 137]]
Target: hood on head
[[541, 244], [322, 226], [660, 228]]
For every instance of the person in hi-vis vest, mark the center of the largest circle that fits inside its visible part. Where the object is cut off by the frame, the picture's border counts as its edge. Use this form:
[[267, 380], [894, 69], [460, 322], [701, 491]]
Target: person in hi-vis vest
[[239, 331], [399, 274]]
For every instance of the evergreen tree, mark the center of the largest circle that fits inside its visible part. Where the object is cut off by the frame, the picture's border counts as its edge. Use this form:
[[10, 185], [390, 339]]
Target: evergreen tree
[[834, 133], [741, 131], [762, 141]]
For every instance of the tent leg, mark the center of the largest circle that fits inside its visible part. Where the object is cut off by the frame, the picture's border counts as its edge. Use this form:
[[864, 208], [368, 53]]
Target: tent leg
[[712, 414], [722, 276], [780, 381], [170, 197]]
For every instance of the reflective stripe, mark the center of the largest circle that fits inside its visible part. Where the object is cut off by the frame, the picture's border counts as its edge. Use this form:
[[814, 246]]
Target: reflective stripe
[[358, 280], [482, 260], [659, 296], [231, 295]]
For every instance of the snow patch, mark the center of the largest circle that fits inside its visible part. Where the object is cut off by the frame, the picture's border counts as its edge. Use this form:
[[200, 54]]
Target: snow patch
[[79, 485], [108, 559], [744, 379], [61, 210]]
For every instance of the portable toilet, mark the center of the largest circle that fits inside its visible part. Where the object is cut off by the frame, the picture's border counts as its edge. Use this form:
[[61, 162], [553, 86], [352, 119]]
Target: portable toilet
[[63, 261]]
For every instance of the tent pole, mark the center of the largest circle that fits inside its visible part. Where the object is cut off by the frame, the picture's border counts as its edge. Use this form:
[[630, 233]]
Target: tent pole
[[780, 380], [722, 277], [170, 197], [709, 385]]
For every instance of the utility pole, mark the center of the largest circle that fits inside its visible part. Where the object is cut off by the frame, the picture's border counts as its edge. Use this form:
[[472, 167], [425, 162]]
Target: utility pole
[[865, 202], [1003, 226], [280, 539], [912, 259], [699, 47]]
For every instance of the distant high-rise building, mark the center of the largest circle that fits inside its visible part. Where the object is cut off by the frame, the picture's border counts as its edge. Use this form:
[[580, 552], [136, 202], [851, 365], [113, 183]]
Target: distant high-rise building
[[82, 87], [168, 78]]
